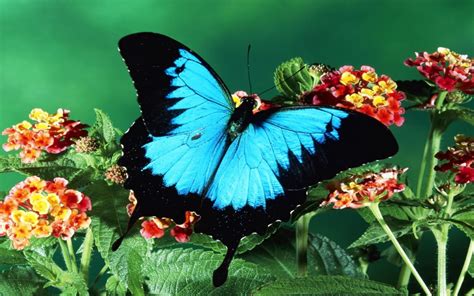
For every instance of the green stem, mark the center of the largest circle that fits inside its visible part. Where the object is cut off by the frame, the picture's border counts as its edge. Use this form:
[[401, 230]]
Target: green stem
[[424, 160], [99, 275], [65, 253], [404, 276], [374, 208], [302, 232], [464, 269], [435, 143], [72, 255], [86, 254], [441, 236]]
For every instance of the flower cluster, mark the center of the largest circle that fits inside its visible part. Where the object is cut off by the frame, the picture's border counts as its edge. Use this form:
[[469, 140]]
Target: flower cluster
[[156, 227], [358, 191], [361, 90], [448, 69], [39, 208], [261, 104], [460, 160], [52, 133]]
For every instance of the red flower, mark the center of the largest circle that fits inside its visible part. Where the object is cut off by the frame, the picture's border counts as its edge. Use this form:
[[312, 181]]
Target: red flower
[[358, 191], [150, 229], [261, 104], [448, 69], [361, 90], [460, 160]]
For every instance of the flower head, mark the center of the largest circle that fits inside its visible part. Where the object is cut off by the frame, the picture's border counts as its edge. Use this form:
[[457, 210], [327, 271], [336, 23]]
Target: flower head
[[361, 90], [116, 174], [447, 69], [39, 208], [459, 160], [52, 133], [360, 190], [261, 104]]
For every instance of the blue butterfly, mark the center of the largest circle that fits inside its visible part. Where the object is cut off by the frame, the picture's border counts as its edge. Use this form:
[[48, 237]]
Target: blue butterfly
[[193, 150]]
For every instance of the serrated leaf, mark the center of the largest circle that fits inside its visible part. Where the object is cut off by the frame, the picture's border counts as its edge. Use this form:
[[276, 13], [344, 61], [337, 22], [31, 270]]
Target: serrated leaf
[[470, 269], [466, 227], [114, 287], [399, 211], [278, 255], [416, 90], [326, 285], [189, 272], [462, 113], [292, 78], [44, 266], [246, 244], [375, 234], [20, 281], [9, 256], [103, 127], [71, 284]]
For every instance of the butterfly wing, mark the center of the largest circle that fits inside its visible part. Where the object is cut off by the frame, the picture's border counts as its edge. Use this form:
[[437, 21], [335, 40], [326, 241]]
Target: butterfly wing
[[173, 149]]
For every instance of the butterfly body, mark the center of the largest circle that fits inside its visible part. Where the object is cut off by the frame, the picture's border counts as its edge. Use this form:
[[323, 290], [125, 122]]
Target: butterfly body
[[192, 149]]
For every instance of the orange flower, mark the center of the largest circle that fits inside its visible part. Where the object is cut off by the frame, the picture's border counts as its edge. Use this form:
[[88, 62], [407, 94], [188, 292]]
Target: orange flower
[[39, 208]]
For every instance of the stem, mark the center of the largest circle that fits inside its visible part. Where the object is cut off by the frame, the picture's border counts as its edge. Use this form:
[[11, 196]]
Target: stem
[[302, 229], [65, 252], [99, 275], [404, 276], [86, 254], [374, 208], [435, 143], [72, 255], [424, 160], [464, 269], [441, 236]]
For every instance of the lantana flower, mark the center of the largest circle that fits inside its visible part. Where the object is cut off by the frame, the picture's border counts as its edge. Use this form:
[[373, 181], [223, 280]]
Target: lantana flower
[[449, 70], [459, 159], [361, 90], [155, 227], [262, 105], [357, 191], [39, 208], [52, 133]]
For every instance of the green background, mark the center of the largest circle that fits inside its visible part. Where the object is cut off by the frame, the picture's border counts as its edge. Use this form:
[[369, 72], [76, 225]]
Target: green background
[[64, 54]]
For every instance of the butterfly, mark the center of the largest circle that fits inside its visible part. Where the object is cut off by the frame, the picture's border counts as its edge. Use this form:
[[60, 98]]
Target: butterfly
[[192, 149]]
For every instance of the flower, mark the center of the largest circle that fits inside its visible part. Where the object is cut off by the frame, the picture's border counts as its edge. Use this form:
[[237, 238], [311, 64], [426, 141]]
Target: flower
[[449, 70], [262, 105], [52, 133], [86, 145], [360, 190], [39, 208], [116, 174], [361, 90], [182, 232], [460, 159]]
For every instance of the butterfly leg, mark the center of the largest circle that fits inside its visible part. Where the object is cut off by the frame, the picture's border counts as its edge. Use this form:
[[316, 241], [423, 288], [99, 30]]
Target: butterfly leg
[[220, 274]]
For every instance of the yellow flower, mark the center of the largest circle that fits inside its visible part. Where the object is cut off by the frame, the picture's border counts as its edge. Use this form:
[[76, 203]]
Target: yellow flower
[[60, 213], [41, 206], [17, 215], [24, 125], [356, 99], [444, 50], [41, 126], [367, 92], [42, 229], [388, 86], [21, 231], [30, 218], [369, 76], [348, 78], [53, 199], [379, 101], [35, 197], [39, 115], [35, 183], [236, 100]]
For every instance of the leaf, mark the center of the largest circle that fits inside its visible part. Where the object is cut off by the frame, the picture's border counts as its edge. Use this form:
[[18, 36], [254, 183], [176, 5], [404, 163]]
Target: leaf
[[462, 113], [278, 254], [416, 90], [20, 281], [189, 272], [114, 287], [375, 234], [292, 78], [465, 226], [71, 284], [326, 285], [246, 244], [470, 269], [399, 211], [9, 256], [103, 127]]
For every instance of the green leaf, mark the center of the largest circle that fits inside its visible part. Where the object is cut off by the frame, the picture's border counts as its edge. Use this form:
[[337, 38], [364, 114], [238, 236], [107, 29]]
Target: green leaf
[[292, 78], [246, 244], [465, 226], [416, 90], [71, 284], [44, 266], [470, 269], [20, 281], [400, 211], [462, 113], [189, 272], [114, 287], [103, 128], [9, 256], [278, 254], [326, 285], [375, 234]]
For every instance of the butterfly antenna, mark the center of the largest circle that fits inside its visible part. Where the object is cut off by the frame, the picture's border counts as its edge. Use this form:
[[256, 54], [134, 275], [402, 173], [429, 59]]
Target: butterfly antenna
[[248, 68], [270, 88]]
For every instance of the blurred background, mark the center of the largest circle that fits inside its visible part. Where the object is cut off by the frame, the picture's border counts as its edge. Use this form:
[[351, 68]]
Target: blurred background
[[63, 54]]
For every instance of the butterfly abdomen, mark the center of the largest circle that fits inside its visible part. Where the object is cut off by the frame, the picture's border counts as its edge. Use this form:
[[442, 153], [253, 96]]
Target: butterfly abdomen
[[241, 117]]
